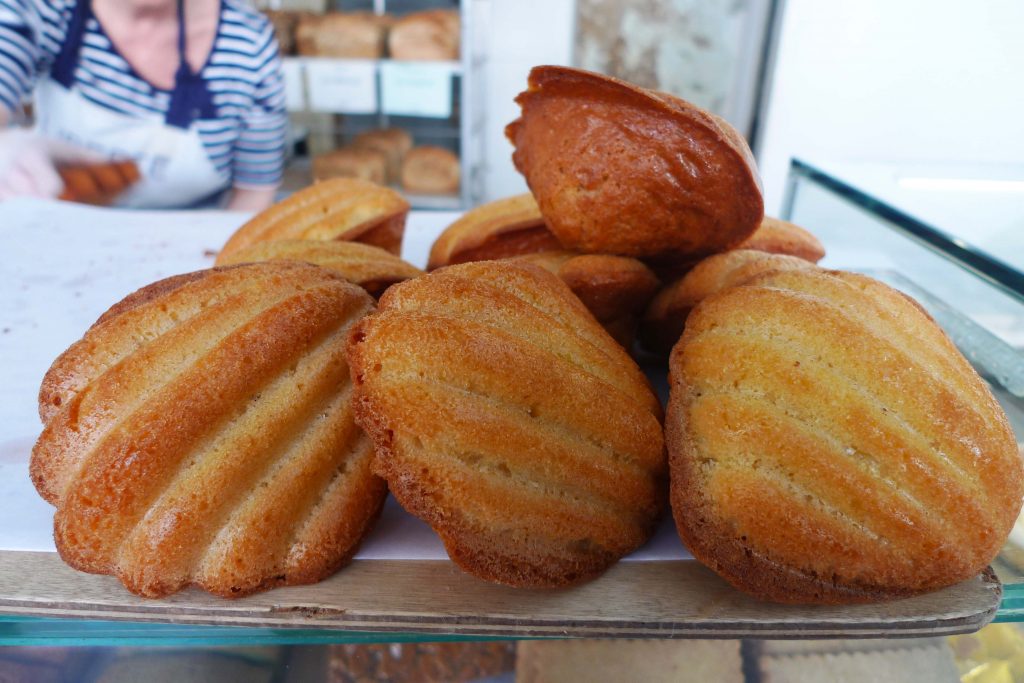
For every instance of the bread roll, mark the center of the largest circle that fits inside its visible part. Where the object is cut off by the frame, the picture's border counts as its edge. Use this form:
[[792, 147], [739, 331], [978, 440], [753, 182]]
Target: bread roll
[[615, 289], [499, 229], [394, 143], [430, 170], [618, 169], [348, 162], [429, 35], [348, 35], [201, 433], [665, 317], [336, 209], [505, 417], [284, 23], [829, 444], [370, 267]]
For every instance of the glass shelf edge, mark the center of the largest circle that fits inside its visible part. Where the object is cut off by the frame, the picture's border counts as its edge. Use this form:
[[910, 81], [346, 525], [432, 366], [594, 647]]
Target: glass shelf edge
[[991, 270]]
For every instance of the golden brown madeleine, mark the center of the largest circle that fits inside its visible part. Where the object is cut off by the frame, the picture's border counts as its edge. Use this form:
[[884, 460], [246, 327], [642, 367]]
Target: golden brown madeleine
[[336, 209], [617, 169], [777, 236], [829, 444], [773, 236], [202, 433], [615, 289], [665, 317], [371, 268], [499, 229], [504, 416]]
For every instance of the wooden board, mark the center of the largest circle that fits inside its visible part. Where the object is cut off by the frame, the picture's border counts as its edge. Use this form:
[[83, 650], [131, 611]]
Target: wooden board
[[633, 599]]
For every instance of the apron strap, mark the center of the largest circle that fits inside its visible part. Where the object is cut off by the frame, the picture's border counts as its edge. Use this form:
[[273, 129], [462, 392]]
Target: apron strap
[[191, 98], [63, 70]]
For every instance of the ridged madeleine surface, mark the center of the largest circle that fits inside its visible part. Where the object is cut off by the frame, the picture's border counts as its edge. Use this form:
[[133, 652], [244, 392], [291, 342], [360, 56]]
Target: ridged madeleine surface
[[370, 267], [504, 416], [335, 209], [829, 444], [499, 229], [776, 236], [202, 433], [773, 236], [619, 169], [615, 289], [665, 317]]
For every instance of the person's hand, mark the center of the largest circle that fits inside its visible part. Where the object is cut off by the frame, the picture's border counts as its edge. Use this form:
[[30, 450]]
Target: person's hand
[[26, 166]]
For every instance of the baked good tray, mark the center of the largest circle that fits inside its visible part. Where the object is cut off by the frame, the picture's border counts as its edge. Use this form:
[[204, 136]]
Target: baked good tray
[[400, 586]]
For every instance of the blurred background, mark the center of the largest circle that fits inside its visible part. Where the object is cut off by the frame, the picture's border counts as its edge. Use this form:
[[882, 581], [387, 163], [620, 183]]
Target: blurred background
[[875, 80]]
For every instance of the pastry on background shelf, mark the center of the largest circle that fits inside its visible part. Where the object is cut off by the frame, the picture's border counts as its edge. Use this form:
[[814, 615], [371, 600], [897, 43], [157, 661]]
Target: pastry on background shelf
[[615, 289], [370, 267], [619, 169], [504, 416], [428, 35], [350, 162], [346, 35], [201, 433], [430, 170], [829, 444], [336, 209], [665, 317], [394, 143], [499, 229], [284, 23]]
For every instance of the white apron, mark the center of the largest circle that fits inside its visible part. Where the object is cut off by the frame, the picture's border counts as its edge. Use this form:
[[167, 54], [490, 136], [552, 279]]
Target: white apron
[[175, 169]]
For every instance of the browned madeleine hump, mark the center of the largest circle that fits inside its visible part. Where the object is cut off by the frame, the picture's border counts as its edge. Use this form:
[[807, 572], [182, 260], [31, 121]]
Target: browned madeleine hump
[[619, 169], [335, 209], [499, 229], [370, 267], [204, 435], [504, 416], [615, 289], [773, 236], [829, 444], [777, 236], [665, 317]]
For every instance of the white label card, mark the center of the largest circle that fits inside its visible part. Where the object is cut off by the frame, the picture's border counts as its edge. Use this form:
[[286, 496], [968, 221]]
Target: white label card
[[342, 86], [294, 87], [416, 89]]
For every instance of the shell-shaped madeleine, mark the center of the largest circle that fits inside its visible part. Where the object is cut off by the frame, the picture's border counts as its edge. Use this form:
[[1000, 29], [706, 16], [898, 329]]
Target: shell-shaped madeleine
[[619, 169], [370, 267], [614, 288], [773, 236], [829, 444], [665, 317], [202, 433], [776, 236], [504, 416], [335, 209], [499, 229]]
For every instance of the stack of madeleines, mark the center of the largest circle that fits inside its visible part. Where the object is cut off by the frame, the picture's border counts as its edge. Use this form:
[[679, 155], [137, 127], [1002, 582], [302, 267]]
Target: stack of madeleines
[[824, 442]]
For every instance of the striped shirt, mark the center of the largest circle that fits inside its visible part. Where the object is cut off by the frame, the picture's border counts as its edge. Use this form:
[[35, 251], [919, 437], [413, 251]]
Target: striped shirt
[[245, 140]]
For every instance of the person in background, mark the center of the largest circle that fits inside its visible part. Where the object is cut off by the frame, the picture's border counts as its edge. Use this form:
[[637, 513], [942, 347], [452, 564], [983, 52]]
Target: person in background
[[190, 90]]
